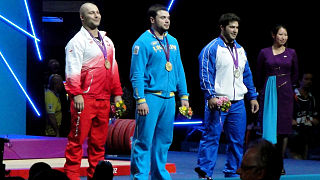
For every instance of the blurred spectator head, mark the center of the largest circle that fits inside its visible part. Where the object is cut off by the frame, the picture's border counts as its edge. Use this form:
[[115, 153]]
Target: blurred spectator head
[[14, 178], [38, 167], [103, 171], [262, 161], [54, 66], [50, 174], [306, 80], [55, 82]]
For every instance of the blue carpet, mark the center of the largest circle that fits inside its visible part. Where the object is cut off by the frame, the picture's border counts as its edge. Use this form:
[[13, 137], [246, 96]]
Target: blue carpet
[[287, 177], [186, 162], [301, 177]]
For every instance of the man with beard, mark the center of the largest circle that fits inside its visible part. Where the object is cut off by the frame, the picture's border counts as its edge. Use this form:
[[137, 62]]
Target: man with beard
[[156, 74], [224, 72], [91, 78]]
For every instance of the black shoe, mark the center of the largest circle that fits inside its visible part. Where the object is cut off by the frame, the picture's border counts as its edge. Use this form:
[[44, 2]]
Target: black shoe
[[202, 174], [283, 172]]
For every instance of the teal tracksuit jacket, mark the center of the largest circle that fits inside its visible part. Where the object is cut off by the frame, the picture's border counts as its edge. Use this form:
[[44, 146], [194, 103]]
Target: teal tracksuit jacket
[[156, 86]]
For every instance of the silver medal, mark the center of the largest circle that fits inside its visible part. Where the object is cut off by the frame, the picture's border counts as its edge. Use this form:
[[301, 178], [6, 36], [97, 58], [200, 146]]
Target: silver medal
[[236, 73]]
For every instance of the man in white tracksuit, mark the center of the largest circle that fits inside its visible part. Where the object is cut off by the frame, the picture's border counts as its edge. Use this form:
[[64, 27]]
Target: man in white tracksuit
[[91, 78], [224, 71]]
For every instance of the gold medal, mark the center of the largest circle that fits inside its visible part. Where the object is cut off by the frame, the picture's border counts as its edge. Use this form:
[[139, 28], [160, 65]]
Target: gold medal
[[168, 66], [107, 64], [236, 73]]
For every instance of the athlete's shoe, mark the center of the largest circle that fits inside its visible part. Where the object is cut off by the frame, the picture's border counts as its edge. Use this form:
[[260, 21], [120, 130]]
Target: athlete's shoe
[[202, 174]]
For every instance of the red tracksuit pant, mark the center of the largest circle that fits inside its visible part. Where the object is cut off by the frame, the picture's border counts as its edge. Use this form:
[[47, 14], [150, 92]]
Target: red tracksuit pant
[[92, 122]]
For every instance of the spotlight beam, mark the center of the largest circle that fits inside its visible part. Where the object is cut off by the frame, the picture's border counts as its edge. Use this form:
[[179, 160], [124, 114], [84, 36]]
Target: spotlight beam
[[33, 31], [187, 123], [19, 28], [21, 87], [170, 5]]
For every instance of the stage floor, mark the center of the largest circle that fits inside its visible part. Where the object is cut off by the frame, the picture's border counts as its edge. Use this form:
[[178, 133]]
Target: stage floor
[[180, 164], [23, 151], [186, 162], [21, 167]]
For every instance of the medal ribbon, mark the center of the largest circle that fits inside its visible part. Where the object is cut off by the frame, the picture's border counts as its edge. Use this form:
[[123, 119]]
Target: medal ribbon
[[167, 52], [235, 59], [101, 46]]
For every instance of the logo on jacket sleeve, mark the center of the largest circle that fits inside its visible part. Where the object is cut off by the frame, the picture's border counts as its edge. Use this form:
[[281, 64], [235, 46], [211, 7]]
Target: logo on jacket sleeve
[[136, 50], [50, 107]]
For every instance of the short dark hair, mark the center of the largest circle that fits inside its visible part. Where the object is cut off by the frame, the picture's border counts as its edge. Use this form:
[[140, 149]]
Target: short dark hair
[[54, 79], [51, 174], [268, 158], [226, 18], [103, 170], [37, 168], [276, 28], [304, 72], [152, 11]]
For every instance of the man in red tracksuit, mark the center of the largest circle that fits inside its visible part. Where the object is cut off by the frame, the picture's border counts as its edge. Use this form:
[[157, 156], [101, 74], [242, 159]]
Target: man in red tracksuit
[[91, 78]]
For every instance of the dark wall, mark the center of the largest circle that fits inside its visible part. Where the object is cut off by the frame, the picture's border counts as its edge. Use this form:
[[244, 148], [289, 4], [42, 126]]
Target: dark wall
[[194, 24], [34, 123]]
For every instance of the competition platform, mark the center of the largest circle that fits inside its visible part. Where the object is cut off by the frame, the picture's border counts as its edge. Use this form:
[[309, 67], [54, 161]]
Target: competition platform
[[23, 151]]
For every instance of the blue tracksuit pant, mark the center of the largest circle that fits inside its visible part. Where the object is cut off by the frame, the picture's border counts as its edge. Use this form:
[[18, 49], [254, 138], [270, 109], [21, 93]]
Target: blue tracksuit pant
[[152, 139], [234, 126]]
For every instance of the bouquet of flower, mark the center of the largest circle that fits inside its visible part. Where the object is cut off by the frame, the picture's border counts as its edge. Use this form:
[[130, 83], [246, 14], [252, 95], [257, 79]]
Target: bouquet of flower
[[187, 112], [118, 109], [224, 104]]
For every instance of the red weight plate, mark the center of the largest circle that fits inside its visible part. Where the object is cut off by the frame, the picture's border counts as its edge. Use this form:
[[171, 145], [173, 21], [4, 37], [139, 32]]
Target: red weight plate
[[128, 136], [111, 127], [115, 135], [122, 134]]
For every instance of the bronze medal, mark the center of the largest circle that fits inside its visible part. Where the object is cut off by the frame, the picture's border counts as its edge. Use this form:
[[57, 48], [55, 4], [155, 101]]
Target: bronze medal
[[107, 64], [168, 66]]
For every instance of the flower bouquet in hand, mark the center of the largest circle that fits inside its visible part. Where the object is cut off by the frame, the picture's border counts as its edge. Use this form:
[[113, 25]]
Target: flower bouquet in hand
[[186, 112], [118, 109], [223, 104]]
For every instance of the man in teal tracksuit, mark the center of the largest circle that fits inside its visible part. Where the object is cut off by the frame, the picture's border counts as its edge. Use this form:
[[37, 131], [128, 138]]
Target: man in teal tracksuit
[[156, 74]]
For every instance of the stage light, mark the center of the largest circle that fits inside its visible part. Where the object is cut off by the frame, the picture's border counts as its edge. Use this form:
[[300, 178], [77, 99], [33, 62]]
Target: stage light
[[21, 87], [170, 5], [31, 25], [187, 122], [52, 19], [19, 28], [33, 35]]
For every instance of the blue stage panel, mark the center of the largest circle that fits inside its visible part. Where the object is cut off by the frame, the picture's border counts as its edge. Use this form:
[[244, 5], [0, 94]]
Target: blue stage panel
[[13, 45]]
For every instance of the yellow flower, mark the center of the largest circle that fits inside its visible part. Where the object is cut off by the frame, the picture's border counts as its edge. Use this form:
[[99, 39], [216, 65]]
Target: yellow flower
[[187, 112]]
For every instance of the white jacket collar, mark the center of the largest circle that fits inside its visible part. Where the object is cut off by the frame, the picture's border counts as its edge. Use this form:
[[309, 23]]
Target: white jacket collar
[[86, 32]]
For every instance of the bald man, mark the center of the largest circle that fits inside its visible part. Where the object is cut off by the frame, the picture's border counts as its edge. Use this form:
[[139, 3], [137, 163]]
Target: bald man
[[91, 78]]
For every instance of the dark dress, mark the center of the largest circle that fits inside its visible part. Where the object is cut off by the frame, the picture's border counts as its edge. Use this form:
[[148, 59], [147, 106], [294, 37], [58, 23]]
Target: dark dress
[[285, 67]]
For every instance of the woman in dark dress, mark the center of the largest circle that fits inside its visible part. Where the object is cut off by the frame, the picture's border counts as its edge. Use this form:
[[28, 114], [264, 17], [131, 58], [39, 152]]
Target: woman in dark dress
[[277, 75]]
